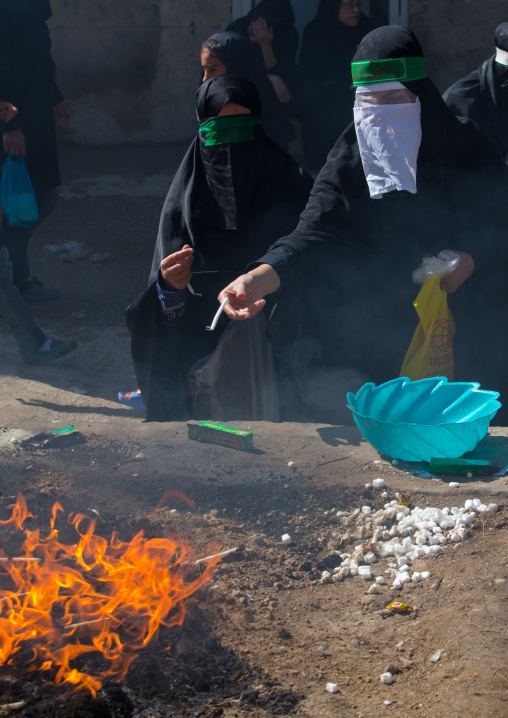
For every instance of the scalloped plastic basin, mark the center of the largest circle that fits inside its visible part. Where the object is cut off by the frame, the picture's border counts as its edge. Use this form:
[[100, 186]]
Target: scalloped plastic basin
[[414, 420]]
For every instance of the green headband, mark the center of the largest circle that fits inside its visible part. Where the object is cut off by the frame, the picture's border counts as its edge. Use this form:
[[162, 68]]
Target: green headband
[[398, 69], [224, 130]]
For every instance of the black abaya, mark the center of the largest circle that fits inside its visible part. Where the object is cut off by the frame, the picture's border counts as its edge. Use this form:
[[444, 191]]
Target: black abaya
[[243, 60], [326, 96], [363, 250], [280, 16], [226, 229], [27, 79], [482, 96]]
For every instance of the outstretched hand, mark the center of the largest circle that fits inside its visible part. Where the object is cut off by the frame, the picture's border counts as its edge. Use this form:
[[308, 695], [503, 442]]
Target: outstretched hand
[[7, 111], [451, 282], [245, 294], [176, 268]]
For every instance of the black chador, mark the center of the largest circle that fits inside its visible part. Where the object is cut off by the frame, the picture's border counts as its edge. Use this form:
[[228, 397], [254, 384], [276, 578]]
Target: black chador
[[361, 251], [482, 95], [234, 193]]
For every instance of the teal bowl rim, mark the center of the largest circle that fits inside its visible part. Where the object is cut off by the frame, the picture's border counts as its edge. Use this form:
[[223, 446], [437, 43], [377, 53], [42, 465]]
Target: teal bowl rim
[[492, 413], [426, 426]]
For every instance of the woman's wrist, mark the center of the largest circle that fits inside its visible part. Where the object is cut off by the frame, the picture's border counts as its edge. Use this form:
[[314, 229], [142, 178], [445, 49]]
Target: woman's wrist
[[266, 278]]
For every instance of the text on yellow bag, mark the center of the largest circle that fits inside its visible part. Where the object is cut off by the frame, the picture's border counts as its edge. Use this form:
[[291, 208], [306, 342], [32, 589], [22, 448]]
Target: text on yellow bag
[[431, 350]]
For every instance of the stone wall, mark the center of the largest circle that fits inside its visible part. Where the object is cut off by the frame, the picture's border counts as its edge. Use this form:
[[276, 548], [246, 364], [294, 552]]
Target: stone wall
[[130, 68], [456, 35]]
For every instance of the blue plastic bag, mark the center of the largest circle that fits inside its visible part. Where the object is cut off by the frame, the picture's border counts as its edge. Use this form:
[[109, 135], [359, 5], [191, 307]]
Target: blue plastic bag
[[17, 196]]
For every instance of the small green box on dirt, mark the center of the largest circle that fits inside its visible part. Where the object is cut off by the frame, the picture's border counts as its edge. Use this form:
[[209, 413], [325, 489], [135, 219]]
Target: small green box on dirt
[[213, 433]]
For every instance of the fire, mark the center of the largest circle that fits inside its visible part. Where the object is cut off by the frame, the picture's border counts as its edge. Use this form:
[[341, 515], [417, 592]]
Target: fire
[[91, 597]]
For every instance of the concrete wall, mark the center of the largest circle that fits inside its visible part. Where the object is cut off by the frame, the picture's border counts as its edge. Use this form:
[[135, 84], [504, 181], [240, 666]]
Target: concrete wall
[[456, 35], [130, 68]]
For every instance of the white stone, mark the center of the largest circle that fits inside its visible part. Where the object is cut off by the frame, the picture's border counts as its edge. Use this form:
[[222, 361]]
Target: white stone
[[386, 678], [364, 572], [384, 495], [417, 577], [291, 463], [380, 580], [469, 504], [425, 575], [371, 557], [373, 588], [319, 652], [378, 483], [332, 687], [454, 484], [404, 577], [366, 510], [286, 539], [477, 503], [368, 486], [492, 507], [482, 508], [396, 583]]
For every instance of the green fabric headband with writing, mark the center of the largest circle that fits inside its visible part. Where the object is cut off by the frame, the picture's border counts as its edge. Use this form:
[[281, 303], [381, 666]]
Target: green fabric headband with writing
[[398, 69], [224, 130]]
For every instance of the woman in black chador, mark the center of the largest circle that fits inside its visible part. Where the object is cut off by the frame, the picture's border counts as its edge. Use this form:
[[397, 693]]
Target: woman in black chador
[[234, 193], [482, 95], [326, 95], [270, 27], [406, 178], [230, 52]]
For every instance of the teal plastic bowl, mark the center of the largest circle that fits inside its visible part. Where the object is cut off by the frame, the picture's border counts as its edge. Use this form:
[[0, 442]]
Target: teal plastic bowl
[[415, 420]]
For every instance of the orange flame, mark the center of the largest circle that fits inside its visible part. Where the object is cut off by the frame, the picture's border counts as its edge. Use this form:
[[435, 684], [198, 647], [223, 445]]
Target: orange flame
[[95, 596]]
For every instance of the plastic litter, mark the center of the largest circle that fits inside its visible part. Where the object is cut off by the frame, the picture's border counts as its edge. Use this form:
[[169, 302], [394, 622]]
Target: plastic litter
[[399, 607], [56, 439]]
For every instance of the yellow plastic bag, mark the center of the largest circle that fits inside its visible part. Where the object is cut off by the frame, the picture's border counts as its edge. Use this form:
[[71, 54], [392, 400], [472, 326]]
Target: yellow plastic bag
[[431, 352]]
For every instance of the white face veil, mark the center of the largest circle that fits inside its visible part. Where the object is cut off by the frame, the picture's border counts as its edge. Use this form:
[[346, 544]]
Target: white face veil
[[389, 131]]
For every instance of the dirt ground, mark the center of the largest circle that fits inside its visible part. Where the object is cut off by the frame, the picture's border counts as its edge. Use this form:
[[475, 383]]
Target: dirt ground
[[247, 647]]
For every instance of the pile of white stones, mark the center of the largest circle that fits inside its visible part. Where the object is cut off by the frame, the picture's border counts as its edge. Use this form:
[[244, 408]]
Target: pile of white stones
[[402, 534]]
